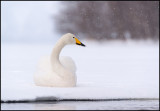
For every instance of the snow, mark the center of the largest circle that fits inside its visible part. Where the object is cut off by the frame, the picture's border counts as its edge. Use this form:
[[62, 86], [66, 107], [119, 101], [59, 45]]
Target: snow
[[107, 70]]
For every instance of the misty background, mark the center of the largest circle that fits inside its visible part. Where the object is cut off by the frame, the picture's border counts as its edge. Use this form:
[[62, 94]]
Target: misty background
[[28, 21], [36, 22]]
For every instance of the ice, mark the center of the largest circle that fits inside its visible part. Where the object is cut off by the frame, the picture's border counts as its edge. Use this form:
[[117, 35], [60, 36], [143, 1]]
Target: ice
[[86, 105], [107, 70]]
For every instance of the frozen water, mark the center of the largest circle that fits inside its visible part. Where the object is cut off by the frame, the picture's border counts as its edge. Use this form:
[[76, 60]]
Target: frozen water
[[101, 105]]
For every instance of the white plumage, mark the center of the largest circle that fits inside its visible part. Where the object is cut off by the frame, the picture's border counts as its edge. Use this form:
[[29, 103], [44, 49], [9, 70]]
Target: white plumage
[[55, 71]]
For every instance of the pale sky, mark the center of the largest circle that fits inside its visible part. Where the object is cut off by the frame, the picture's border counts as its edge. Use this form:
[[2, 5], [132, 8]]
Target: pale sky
[[28, 20]]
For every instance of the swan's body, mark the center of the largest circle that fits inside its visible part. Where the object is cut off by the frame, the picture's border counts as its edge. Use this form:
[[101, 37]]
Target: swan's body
[[55, 71]]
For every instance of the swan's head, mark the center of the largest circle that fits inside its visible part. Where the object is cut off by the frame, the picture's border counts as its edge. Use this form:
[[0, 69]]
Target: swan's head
[[71, 39]]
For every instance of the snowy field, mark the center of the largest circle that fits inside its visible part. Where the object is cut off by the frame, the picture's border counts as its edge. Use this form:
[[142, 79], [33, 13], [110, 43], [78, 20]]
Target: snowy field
[[109, 70]]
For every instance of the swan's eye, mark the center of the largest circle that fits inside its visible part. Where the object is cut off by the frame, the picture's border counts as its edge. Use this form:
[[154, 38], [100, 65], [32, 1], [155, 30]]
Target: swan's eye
[[73, 37]]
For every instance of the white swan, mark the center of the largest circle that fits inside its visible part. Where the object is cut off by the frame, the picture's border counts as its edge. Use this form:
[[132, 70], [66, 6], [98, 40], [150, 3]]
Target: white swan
[[57, 72]]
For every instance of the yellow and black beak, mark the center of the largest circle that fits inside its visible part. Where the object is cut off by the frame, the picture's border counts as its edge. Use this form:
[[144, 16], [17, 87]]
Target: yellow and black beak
[[79, 43]]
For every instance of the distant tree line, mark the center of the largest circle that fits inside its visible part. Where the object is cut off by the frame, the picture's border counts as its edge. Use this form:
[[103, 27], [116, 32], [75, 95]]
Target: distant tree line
[[110, 19]]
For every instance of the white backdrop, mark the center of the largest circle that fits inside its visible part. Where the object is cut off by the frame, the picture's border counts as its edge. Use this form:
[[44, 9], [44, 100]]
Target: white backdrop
[[29, 21]]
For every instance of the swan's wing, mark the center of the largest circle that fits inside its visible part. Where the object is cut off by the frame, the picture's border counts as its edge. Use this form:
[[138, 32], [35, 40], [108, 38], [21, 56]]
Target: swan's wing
[[43, 66], [68, 63]]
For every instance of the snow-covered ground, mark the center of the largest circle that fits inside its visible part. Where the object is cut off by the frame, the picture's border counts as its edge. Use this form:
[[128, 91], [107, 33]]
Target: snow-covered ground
[[108, 70]]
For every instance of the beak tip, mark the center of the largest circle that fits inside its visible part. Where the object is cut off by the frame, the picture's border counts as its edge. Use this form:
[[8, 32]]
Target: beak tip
[[83, 45]]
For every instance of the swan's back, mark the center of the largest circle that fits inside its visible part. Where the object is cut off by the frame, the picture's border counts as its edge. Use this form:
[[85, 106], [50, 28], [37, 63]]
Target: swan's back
[[68, 63]]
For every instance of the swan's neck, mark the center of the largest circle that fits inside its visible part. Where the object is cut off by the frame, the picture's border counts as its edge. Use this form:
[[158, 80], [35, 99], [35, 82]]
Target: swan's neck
[[56, 65], [56, 52]]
